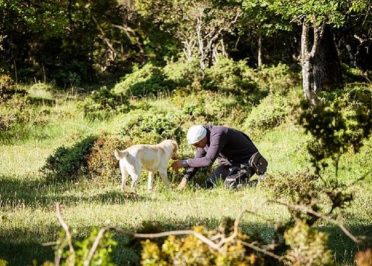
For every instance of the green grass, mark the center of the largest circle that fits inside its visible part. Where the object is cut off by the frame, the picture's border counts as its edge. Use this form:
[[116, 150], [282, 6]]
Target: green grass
[[27, 199]]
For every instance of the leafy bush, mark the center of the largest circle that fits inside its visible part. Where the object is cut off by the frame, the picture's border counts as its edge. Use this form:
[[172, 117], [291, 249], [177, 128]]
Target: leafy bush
[[79, 255], [230, 77], [209, 107], [102, 104], [182, 73], [67, 163], [305, 189], [277, 79], [101, 161], [148, 80], [339, 123], [271, 111], [41, 93], [8, 90], [153, 129], [307, 246], [190, 250]]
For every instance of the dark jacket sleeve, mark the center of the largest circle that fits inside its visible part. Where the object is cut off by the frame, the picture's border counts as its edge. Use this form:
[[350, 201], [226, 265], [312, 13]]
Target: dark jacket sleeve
[[216, 144], [190, 172]]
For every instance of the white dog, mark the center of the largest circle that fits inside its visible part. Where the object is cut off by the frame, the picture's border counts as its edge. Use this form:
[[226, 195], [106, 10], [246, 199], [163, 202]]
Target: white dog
[[153, 158]]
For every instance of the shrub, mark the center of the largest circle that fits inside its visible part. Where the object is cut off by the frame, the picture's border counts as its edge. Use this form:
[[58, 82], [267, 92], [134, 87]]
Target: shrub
[[148, 80], [82, 248], [102, 104], [307, 246], [190, 250], [342, 121], [230, 77], [101, 161], [153, 129], [8, 89], [182, 73], [270, 113], [67, 163], [278, 79]]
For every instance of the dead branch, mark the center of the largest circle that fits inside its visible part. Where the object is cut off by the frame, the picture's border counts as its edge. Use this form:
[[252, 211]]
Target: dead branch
[[95, 245], [304, 209], [68, 234], [199, 236], [250, 245]]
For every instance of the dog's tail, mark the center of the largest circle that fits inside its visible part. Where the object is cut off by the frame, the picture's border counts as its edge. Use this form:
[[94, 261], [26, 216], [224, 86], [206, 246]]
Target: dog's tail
[[120, 154]]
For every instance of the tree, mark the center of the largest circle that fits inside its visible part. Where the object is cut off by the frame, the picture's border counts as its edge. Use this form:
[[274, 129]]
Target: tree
[[198, 25], [319, 58], [261, 21]]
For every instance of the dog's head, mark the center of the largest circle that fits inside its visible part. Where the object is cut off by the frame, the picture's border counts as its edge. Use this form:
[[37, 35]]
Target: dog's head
[[171, 146], [174, 150]]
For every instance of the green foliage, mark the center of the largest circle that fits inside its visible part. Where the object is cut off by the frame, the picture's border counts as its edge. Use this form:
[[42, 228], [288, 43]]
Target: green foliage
[[229, 76], [277, 79], [270, 112], [41, 94], [153, 129], [3, 262], [337, 125], [68, 163], [102, 255], [305, 189], [103, 104], [8, 89], [307, 246], [190, 250], [207, 107], [79, 256], [182, 73], [148, 80], [100, 160]]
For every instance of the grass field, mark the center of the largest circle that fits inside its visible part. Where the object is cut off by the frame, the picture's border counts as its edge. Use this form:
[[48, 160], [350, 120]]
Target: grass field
[[27, 199]]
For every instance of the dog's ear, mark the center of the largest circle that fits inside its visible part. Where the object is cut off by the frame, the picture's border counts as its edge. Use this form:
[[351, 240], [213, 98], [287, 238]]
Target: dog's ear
[[175, 146]]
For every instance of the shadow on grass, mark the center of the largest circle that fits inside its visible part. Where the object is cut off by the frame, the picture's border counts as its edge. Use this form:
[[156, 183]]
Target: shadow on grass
[[39, 193], [21, 248]]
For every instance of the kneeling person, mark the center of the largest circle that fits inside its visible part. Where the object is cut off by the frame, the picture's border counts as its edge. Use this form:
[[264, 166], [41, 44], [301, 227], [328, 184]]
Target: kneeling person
[[231, 147]]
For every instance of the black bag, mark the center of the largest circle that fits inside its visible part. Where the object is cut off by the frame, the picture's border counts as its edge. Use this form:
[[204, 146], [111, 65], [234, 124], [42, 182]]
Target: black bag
[[258, 163]]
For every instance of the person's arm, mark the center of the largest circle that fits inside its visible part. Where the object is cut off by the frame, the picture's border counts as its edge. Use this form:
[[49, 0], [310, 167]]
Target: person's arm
[[190, 172]]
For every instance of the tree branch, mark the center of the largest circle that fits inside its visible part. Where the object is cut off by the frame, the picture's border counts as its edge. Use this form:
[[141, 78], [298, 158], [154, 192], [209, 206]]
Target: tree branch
[[304, 209], [68, 234]]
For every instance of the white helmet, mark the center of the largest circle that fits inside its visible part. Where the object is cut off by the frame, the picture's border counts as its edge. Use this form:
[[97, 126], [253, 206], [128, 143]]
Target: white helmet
[[196, 133]]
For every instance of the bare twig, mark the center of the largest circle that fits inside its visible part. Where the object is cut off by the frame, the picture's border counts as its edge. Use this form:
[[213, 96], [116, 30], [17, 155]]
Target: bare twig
[[199, 236], [68, 234], [304, 209], [95, 245], [254, 247]]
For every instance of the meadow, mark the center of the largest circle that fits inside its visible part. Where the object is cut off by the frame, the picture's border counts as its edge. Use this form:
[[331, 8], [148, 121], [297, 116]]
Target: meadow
[[27, 197]]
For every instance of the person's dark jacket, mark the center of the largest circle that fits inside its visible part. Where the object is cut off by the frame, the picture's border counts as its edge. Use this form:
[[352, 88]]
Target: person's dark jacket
[[230, 146]]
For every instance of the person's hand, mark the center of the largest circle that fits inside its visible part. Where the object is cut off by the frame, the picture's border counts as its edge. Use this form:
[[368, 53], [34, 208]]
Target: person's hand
[[182, 184], [177, 165]]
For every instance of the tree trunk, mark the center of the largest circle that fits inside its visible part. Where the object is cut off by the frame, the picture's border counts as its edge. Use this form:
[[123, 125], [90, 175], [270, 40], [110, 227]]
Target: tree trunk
[[259, 51], [307, 65], [321, 66], [327, 66]]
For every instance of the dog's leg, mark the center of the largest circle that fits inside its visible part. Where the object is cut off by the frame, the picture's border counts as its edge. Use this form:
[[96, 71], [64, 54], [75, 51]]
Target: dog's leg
[[150, 181], [135, 179], [164, 176], [124, 176]]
